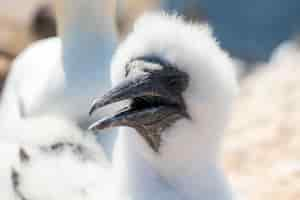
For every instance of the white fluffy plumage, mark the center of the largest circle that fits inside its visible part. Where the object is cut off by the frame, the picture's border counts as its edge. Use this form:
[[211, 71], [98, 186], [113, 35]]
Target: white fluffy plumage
[[187, 165], [50, 158]]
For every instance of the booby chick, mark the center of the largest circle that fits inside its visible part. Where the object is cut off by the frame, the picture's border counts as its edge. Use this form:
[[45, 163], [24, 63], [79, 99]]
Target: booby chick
[[178, 86], [49, 158]]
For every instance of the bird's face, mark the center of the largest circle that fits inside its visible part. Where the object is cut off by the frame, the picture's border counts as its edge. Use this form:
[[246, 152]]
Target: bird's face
[[154, 89], [171, 72]]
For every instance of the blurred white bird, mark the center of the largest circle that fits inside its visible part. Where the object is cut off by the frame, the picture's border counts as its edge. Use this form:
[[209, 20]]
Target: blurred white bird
[[180, 86], [62, 75], [49, 158]]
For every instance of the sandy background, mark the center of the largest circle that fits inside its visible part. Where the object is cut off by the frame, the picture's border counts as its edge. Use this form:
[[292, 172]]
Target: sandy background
[[262, 145]]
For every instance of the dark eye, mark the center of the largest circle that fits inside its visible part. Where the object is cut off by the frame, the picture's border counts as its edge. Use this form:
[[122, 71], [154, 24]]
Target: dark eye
[[179, 84], [173, 83]]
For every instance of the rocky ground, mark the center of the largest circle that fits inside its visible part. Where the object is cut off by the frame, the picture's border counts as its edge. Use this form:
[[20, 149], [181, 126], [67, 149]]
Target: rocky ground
[[262, 145]]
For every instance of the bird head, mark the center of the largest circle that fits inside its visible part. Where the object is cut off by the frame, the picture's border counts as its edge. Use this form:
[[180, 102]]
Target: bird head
[[177, 80]]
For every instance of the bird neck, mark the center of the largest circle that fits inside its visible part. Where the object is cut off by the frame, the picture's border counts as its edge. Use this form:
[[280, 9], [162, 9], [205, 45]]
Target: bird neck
[[87, 32], [191, 171]]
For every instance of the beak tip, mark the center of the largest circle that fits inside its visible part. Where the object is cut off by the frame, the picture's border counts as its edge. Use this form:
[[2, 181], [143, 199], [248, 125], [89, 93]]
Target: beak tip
[[99, 125], [95, 105], [92, 128], [98, 103], [91, 112]]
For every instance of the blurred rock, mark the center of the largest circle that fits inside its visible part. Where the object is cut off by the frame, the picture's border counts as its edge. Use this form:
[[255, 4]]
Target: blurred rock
[[21, 23], [261, 152], [13, 39], [43, 24]]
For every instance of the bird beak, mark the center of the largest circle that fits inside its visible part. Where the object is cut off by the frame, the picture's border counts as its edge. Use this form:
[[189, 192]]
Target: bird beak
[[153, 107]]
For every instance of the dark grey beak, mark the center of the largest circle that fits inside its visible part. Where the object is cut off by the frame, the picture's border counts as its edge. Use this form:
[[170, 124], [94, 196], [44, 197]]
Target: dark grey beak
[[155, 102]]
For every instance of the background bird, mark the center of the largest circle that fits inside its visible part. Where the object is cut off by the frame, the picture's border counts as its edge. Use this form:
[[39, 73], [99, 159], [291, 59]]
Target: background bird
[[32, 21], [50, 158], [62, 75]]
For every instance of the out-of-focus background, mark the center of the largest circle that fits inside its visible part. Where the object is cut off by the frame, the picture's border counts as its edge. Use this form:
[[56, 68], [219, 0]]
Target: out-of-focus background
[[262, 145], [21, 23]]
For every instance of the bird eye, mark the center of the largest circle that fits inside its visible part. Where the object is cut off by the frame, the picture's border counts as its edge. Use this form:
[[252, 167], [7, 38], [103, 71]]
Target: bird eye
[[178, 83], [172, 83]]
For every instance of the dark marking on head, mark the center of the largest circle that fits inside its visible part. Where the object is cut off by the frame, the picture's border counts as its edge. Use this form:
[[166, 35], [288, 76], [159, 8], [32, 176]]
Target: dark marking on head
[[175, 79], [156, 99]]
